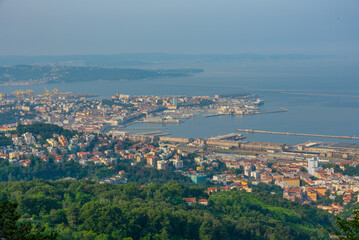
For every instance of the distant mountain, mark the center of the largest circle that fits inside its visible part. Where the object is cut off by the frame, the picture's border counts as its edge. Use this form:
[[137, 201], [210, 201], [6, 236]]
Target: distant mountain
[[141, 59], [45, 74]]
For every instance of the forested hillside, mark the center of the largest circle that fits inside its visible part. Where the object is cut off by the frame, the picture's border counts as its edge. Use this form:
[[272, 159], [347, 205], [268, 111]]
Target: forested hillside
[[88, 210], [76, 74]]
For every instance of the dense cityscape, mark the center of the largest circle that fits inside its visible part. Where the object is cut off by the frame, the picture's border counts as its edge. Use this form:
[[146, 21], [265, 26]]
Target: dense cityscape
[[179, 120], [322, 174]]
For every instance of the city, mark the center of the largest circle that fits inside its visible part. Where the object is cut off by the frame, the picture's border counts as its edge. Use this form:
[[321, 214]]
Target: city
[[310, 172], [179, 120]]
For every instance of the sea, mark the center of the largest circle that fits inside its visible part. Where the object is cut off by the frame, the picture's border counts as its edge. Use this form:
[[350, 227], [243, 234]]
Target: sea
[[321, 95]]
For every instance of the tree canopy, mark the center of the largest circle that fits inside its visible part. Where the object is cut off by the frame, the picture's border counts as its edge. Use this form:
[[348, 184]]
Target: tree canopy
[[89, 210]]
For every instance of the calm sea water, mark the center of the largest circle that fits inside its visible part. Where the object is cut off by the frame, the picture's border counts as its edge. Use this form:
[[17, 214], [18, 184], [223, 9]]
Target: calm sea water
[[328, 115]]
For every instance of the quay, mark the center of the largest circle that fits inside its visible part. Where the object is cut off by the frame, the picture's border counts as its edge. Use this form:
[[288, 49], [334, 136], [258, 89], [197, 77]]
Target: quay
[[156, 133], [296, 134]]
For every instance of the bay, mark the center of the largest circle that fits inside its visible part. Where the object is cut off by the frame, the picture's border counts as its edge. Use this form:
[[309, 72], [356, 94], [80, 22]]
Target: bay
[[334, 112]]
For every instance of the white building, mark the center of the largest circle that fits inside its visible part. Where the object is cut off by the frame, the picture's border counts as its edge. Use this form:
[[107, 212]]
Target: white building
[[162, 165], [178, 164], [313, 165], [247, 173], [256, 174], [29, 138]]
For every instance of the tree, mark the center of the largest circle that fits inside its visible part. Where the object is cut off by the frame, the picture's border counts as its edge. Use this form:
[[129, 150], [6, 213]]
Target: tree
[[348, 229], [11, 228], [206, 231]]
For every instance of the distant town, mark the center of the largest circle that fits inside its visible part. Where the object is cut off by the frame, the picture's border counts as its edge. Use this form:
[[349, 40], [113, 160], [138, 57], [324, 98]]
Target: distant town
[[314, 173]]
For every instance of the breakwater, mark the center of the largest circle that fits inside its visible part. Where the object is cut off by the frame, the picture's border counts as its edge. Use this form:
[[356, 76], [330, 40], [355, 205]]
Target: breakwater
[[296, 134]]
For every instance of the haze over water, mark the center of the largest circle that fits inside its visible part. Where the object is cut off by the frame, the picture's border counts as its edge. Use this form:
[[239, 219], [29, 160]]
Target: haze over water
[[324, 28]]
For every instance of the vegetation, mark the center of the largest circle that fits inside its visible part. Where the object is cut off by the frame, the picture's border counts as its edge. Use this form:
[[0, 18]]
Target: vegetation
[[12, 229], [88, 210], [54, 171], [44, 130], [4, 141], [144, 175], [149, 206], [44, 170], [349, 170], [347, 229]]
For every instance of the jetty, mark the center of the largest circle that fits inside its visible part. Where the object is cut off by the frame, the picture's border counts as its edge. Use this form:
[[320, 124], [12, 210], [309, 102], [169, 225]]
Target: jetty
[[156, 133], [214, 115], [275, 111]]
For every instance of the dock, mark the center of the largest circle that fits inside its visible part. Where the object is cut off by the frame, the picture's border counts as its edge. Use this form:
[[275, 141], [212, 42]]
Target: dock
[[296, 134], [156, 133], [228, 137]]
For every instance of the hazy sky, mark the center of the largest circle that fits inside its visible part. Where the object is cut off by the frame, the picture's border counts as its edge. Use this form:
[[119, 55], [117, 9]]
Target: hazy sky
[[53, 27]]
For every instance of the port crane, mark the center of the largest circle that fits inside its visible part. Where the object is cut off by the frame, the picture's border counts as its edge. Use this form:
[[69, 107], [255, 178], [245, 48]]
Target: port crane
[[22, 94], [47, 94], [54, 92]]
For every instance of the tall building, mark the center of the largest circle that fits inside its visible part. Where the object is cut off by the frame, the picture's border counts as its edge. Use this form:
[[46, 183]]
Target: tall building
[[63, 141], [152, 161], [313, 165], [175, 101], [178, 164], [162, 165], [29, 138]]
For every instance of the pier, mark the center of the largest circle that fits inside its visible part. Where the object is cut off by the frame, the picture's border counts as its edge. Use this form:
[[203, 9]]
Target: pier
[[214, 115], [275, 111], [156, 133], [296, 134], [228, 137]]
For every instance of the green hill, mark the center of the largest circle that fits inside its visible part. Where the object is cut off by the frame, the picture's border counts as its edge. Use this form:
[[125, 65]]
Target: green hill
[[88, 210]]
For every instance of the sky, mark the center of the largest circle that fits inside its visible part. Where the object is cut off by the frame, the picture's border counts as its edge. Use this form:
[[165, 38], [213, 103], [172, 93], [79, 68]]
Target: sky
[[66, 27]]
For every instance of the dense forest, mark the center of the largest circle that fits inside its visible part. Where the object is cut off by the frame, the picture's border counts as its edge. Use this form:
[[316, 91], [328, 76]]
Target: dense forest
[[88, 210], [72, 74]]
